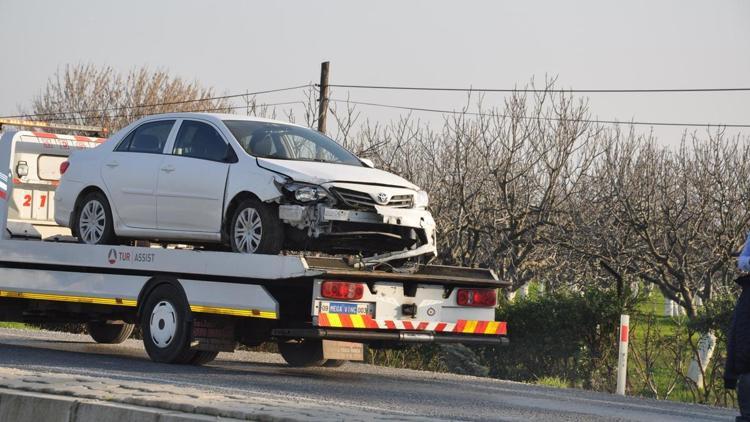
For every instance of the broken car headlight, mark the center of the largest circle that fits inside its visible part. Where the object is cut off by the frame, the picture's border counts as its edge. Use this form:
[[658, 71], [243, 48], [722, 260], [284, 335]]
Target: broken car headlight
[[305, 193], [421, 199]]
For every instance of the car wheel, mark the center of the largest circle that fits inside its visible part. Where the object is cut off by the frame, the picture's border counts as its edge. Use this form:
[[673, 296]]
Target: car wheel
[[256, 228], [165, 325], [94, 224], [302, 353], [335, 363], [108, 333]]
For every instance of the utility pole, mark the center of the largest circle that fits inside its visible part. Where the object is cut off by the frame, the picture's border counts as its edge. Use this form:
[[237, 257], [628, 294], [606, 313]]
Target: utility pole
[[323, 105]]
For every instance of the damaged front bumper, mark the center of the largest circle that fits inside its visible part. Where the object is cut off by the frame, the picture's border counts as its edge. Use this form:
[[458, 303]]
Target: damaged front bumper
[[319, 220]]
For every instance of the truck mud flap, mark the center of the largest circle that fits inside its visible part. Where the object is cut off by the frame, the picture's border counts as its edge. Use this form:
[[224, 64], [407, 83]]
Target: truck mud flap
[[395, 336]]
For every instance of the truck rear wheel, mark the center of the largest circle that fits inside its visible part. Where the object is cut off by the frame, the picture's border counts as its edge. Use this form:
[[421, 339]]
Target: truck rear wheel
[[302, 353], [109, 333], [165, 325], [203, 357]]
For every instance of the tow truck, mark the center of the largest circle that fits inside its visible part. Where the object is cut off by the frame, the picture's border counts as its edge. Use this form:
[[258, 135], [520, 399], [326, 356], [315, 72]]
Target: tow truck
[[192, 303]]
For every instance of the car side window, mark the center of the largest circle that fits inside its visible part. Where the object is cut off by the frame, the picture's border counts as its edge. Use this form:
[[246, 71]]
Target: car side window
[[148, 137], [124, 145], [199, 140]]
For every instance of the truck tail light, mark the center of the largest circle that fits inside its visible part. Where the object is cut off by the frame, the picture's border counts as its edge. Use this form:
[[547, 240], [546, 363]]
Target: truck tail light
[[342, 290], [64, 167], [477, 297]]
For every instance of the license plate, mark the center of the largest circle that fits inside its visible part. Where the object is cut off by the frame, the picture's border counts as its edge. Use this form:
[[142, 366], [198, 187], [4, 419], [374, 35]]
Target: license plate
[[345, 308]]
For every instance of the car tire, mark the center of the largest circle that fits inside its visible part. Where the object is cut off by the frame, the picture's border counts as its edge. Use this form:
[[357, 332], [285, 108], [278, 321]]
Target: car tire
[[335, 363], [166, 326], [302, 353], [94, 224], [109, 333], [255, 228]]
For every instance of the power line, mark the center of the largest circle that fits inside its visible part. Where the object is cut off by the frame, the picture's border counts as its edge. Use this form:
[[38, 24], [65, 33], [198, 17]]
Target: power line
[[251, 106], [538, 90], [103, 110], [434, 110]]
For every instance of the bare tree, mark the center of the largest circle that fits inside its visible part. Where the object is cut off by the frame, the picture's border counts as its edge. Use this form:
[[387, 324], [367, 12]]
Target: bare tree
[[90, 95], [497, 178], [670, 218]]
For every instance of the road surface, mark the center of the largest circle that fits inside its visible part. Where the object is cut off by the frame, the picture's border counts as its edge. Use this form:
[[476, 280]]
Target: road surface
[[377, 390]]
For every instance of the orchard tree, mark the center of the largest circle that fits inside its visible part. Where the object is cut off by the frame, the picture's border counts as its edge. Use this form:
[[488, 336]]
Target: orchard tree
[[100, 96]]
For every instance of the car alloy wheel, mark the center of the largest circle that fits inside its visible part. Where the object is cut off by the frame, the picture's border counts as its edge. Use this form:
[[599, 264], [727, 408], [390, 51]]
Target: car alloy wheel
[[92, 222], [248, 230]]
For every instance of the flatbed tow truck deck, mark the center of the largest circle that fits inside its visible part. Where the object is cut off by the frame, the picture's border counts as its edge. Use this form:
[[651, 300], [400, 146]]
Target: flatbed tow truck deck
[[193, 303]]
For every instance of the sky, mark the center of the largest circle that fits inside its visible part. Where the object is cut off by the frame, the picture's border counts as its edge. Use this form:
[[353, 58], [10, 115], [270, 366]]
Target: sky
[[244, 45]]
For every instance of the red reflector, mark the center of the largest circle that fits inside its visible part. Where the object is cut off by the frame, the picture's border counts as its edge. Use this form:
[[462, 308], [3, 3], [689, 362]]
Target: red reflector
[[477, 297], [64, 167], [342, 290]]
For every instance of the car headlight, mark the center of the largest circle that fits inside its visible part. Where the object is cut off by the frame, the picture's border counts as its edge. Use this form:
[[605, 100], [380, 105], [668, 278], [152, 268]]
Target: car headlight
[[305, 193], [421, 199]]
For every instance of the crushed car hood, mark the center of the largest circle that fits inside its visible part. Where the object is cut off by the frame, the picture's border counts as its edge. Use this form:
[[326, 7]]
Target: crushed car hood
[[319, 173]]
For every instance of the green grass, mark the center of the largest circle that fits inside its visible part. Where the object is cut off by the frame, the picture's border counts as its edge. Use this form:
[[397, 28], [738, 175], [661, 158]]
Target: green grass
[[18, 325], [555, 382], [666, 327]]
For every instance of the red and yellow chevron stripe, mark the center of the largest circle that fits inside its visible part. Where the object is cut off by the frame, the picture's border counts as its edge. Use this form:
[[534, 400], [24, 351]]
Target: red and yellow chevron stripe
[[498, 328]]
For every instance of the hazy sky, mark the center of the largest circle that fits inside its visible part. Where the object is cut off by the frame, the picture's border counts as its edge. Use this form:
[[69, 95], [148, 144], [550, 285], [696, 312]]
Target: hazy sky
[[250, 45]]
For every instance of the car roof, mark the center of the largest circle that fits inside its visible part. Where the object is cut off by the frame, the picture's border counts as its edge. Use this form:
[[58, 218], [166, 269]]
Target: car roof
[[214, 117]]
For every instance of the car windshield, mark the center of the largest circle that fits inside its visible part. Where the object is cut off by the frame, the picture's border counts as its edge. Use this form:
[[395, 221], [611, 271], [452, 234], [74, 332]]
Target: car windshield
[[287, 142]]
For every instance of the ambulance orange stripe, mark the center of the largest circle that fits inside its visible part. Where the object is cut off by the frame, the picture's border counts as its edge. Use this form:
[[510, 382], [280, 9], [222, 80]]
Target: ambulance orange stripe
[[323, 320], [459, 326], [481, 326]]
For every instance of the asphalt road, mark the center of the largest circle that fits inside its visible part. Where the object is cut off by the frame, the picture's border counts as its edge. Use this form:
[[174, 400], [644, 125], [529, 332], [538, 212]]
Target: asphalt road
[[375, 389]]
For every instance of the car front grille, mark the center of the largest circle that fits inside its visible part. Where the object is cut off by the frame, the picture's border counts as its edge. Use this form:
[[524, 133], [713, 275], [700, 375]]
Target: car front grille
[[357, 199]]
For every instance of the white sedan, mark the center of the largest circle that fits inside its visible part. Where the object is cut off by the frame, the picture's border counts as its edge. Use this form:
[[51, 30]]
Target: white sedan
[[256, 185]]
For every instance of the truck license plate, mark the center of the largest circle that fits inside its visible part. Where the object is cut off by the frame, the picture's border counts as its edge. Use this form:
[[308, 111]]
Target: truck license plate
[[345, 308]]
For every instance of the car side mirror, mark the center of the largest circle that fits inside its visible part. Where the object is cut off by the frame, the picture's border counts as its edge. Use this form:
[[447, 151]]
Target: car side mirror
[[367, 162]]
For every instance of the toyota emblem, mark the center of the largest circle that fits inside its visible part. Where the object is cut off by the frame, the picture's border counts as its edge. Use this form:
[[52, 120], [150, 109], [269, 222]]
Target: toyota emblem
[[382, 198]]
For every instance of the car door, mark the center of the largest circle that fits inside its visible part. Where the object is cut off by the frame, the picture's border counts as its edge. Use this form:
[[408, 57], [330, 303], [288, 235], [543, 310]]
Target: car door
[[192, 180], [130, 173]]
